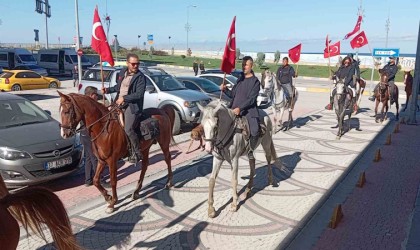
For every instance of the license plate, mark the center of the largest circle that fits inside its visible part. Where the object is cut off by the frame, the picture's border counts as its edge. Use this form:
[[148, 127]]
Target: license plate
[[58, 163]]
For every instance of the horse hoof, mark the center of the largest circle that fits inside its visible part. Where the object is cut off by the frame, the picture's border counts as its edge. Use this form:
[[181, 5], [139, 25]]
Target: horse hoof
[[135, 196], [212, 212], [338, 137], [248, 192], [108, 199], [233, 207], [109, 210]]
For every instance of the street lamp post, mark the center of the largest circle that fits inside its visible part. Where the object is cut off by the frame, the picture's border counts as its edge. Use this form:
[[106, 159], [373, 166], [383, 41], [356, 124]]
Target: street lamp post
[[138, 41], [169, 38], [188, 26], [115, 47], [79, 58]]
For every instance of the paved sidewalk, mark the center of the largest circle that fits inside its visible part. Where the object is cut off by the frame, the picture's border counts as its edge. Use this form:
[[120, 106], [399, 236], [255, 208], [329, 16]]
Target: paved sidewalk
[[382, 214], [177, 218]]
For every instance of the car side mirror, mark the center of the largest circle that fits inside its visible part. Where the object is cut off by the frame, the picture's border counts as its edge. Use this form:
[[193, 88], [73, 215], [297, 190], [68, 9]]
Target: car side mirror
[[48, 112], [150, 89]]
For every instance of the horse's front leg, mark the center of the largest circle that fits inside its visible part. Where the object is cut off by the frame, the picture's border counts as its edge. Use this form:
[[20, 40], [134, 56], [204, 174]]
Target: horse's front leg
[[397, 105], [290, 120], [251, 176], [376, 110], [97, 183], [280, 122], [217, 163], [382, 110], [113, 180]]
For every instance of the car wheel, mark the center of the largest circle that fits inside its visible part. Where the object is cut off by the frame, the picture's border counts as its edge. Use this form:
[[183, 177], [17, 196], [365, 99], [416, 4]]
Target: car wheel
[[53, 85], [177, 123], [16, 87]]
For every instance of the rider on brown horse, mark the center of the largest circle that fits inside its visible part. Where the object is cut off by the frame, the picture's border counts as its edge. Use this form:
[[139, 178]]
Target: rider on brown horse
[[130, 88], [392, 69], [346, 71]]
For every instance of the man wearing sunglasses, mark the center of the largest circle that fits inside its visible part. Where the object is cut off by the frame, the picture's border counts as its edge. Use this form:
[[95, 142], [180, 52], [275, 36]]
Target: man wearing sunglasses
[[130, 88]]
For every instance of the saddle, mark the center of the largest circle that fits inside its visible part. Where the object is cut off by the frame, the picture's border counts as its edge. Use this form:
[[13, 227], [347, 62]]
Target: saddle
[[242, 126], [146, 127]]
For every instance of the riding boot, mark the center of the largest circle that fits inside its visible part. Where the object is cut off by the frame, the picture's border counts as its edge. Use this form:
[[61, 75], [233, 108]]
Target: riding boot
[[253, 141], [372, 98], [329, 105], [136, 155]]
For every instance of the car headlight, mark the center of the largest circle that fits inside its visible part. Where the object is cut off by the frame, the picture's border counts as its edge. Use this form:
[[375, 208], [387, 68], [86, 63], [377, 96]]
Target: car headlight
[[190, 104], [13, 154]]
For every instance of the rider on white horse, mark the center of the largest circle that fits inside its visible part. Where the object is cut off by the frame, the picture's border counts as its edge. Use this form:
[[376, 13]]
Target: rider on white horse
[[285, 75], [346, 72]]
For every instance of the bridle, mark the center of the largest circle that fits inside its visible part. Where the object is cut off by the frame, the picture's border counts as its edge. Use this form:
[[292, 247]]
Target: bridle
[[73, 116]]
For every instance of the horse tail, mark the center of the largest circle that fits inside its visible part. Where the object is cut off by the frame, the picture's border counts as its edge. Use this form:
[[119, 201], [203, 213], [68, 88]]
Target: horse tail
[[36, 206], [171, 114]]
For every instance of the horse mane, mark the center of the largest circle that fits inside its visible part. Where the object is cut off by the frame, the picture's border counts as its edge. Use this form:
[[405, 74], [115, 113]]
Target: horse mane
[[90, 101], [213, 104]]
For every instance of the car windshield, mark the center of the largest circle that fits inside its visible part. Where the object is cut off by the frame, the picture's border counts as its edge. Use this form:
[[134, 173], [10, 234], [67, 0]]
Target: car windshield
[[167, 82], [74, 59], [232, 79], [95, 75], [27, 58], [207, 85], [17, 112]]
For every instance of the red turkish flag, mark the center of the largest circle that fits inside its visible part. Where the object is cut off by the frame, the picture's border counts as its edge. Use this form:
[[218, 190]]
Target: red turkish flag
[[359, 41], [356, 28], [99, 42], [294, 53], [229, 56], [334, 50]]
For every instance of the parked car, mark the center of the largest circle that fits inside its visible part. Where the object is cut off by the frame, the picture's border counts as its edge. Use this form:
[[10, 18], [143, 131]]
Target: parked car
[[31, 147], [162, 89], [16, 80], [236, 72], [263, 101], [12, 57], [61, 61], [203, 85], [34, 68]]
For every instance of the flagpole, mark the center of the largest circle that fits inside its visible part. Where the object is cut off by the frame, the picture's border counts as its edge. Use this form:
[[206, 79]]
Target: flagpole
[[102, 78], [329, 60], [223, 83]]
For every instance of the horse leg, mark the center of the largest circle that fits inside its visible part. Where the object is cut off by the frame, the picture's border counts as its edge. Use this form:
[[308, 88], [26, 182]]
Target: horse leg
[[280, 122], [234, 181], [397, 105], [167, 155], [113, 180], [96, 180], [144, 165], [383, 116], [217, 163], [251, 177], [406, 101], [268, 145], [290, 120], [376, 110]]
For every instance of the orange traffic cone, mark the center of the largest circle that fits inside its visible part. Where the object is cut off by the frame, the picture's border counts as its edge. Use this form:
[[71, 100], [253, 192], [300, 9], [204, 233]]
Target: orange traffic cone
[[362, 180], [336, 217], [377, 155]]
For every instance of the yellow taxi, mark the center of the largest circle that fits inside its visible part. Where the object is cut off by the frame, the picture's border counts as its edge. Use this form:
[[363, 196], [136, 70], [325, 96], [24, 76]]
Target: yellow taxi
[[16, 80]]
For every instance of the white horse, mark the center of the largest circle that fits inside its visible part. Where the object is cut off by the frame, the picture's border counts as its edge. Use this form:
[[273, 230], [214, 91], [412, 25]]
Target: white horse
[[226, 142], [279, 101]]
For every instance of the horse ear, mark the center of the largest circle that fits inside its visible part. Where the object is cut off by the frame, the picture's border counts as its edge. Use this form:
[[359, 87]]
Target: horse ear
[[63, 96], [200, 107], [219, 105]]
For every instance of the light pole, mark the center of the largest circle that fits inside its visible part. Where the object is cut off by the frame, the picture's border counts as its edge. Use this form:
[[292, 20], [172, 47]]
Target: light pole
[[188, 26], [115, 47], [169, 38], [138, 41], [79, 58]]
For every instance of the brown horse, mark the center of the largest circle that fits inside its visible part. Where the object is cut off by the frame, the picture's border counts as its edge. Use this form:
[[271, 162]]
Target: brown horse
[[408, 81], [382, 96], [33, 207], [109, 140]]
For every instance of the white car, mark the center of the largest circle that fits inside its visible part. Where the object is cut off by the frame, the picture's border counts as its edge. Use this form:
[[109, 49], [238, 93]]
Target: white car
[[263, 101]]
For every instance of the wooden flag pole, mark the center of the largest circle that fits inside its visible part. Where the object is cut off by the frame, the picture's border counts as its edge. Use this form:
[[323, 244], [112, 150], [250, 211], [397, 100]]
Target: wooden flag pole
[[221, 91], [102, 78]]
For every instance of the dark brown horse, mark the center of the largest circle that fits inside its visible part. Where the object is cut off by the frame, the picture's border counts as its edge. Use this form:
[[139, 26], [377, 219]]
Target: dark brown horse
[[382, 96], [408, 81], [33, 207], [109, 140]]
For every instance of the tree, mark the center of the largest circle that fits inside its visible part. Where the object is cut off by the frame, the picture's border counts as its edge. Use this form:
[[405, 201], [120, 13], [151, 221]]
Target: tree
[[277, 56], [260, 59]]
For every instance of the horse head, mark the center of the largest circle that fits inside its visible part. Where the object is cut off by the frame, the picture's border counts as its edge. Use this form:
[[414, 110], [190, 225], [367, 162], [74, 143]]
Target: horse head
[[269, 82], [70, 115], [209, 120], [340, 88]]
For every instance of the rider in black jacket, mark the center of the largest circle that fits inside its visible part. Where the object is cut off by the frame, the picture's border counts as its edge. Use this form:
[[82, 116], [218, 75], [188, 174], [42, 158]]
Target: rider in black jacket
[[392, 69], [346, 72]]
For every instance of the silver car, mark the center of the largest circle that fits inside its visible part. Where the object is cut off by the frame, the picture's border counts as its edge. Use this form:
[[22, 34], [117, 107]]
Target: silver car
[[162, 90], [31, 148]]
